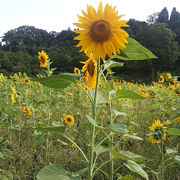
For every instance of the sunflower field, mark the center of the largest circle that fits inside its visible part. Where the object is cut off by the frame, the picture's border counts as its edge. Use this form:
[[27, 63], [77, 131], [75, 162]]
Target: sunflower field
[[88, 124]]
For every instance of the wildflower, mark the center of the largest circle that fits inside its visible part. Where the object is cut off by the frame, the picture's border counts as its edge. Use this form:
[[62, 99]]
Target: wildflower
[[161, 79], [43, 59], [100, 32], [69, 120], [168, 76], [157, 134], [90, 69], [76, 70], [27, 111], [26, 80]]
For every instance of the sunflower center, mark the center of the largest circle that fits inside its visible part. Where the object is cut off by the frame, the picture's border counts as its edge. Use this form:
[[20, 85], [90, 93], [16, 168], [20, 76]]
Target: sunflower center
[[69, 119], [100, 30], [90, 68]]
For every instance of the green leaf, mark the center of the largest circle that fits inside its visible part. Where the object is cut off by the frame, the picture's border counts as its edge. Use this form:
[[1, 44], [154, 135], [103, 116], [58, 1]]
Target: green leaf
[[92, 121], [57, 130], [76, 178], [117, 128], [5, 175], [133, 166], [101, 148], [127, 94], [52, 172], [174, 131], [40, 139], [111, 64], [177, 159], [132, 136], [58, 81], [135, 51], [171, 151], [82, 171], [127, 155], [117, 113], [127, 177]]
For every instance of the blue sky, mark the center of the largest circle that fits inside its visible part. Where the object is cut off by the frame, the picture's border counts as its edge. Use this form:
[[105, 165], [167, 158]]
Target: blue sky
[[57, 15]]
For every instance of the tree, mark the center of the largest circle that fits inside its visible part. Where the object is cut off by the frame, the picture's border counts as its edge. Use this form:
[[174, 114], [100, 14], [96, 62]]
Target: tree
[[174, 23], [152, 18], [160, 40], [163, 16]]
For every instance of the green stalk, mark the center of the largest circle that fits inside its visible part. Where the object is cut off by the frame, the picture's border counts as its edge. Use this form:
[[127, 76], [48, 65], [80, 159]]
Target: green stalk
[[90, 172], [112, 136]]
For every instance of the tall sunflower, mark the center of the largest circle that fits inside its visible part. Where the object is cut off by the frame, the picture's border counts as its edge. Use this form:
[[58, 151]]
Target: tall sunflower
[[90, 69], [43, 59], [100, 32], [157, 134]]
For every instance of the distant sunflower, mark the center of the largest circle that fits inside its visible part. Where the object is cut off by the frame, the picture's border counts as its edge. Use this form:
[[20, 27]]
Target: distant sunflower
[[76, 71], [43, 59], [157, 134], [27, 111], [90, 69], [100, 32], [69, 120], [168, 76], [161, 79], [26, 80]]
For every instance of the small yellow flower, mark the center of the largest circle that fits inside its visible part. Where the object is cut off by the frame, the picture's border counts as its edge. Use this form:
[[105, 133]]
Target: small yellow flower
[[43, 59], [161, 79], [69, 120], [26, 80], [157, 132], [76, 71]]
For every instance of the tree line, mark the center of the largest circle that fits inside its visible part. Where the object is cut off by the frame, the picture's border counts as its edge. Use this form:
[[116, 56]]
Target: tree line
[[160, 34]]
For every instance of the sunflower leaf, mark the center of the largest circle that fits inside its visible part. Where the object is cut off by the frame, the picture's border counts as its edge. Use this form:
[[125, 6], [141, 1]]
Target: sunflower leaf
[[135, 51], [111, 64], [127, 94], [133, 166], [59, 81], [57, 130]]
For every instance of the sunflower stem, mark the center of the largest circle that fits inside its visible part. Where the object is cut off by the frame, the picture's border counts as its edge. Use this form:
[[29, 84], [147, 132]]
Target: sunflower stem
[[112, 137], [90, 172]]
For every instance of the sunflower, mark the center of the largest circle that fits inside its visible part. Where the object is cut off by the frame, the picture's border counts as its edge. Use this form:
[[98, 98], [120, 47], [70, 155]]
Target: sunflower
[[90, 69], [100, 32], [43, 59], [76, 70], [27, 111], [157, 134], [69, 120], [26, 80], [161, 79], [168, 76]]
